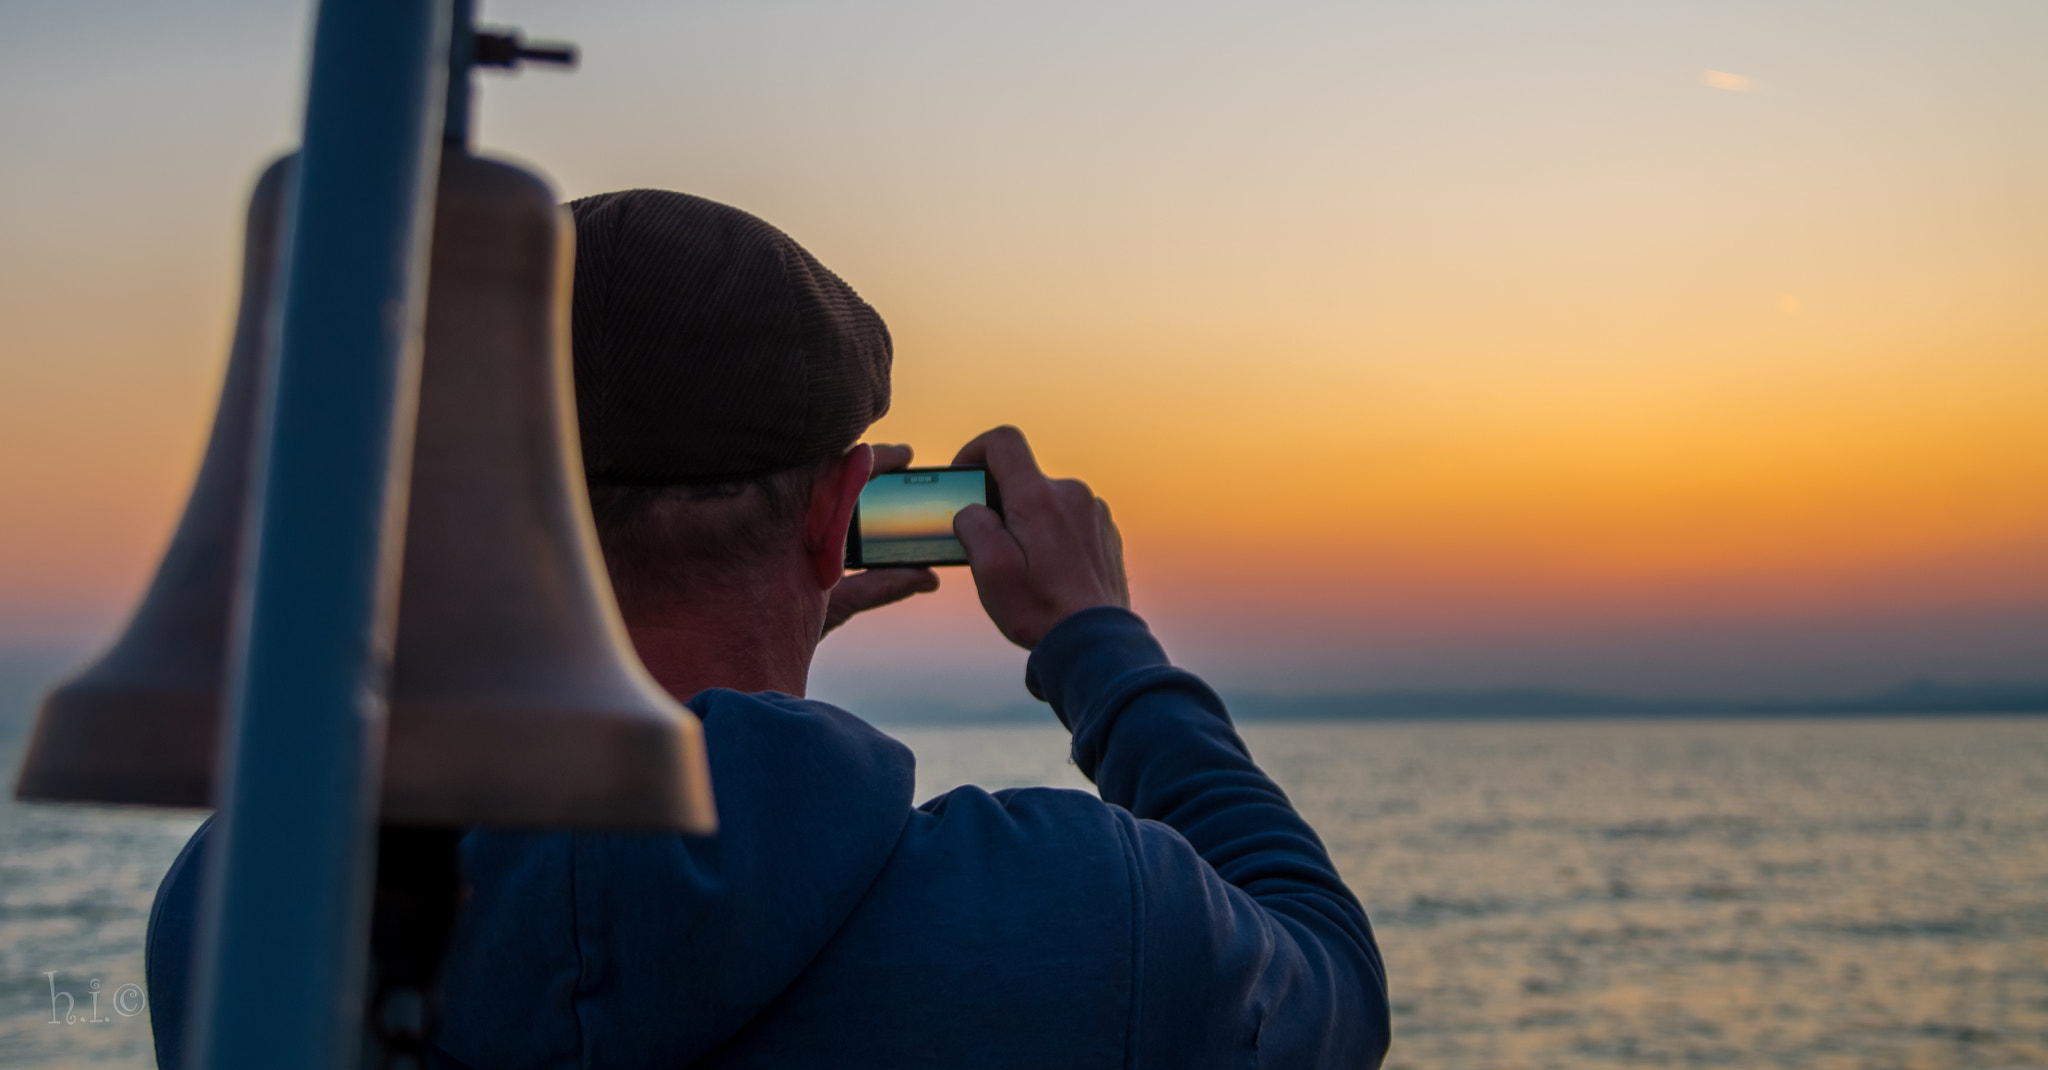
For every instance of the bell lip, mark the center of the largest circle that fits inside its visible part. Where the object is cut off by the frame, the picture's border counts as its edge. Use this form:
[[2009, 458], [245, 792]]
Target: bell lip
[[24, 794], [646, 755], [685, 823], [63, 764], [654, 748]]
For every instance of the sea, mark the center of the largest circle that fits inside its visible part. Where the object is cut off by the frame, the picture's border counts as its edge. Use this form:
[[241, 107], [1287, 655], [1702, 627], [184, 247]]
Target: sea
[[1830, 893]]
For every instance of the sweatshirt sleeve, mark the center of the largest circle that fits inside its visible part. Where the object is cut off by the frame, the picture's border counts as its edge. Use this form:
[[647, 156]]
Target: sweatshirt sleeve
[[1252, 951]]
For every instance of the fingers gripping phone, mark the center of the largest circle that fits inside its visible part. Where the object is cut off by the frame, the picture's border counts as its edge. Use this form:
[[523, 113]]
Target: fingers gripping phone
[[905, 518]]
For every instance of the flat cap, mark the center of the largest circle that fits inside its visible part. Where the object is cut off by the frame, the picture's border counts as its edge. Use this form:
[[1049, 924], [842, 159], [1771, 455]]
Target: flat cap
[[709, 345]]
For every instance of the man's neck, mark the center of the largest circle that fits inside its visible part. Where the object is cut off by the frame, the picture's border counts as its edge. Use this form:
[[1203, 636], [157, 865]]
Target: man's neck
[[746, 649]]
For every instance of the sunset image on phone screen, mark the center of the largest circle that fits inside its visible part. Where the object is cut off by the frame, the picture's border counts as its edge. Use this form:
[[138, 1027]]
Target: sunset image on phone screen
[[906, 518]]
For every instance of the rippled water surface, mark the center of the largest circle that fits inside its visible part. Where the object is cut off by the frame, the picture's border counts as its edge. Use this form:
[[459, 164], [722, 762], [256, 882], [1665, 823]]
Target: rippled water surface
[[1827, 894], [75, 889]]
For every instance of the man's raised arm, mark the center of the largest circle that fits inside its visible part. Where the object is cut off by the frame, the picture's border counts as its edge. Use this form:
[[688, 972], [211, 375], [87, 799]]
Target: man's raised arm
[[1248, 939]]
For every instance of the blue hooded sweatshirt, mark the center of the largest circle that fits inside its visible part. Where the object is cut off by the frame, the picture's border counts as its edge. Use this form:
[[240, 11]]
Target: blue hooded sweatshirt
[[1188, 918]]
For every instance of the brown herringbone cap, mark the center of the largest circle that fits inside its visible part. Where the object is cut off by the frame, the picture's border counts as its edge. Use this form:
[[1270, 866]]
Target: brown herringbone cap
[[709, 345]]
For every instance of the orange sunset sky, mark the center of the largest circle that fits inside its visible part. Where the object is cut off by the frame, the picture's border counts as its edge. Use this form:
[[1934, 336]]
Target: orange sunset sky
[[1667, 348]]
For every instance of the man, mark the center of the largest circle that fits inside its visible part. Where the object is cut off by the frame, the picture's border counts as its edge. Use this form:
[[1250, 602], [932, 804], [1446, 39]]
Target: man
[[1187, 918]]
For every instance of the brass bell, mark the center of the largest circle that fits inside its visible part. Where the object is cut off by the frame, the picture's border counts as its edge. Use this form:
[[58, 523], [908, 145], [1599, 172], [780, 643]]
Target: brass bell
[[142, 724], [516, 699]]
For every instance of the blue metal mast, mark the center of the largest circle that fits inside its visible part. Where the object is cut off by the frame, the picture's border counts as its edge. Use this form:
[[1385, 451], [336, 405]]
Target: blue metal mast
[[285, 923]]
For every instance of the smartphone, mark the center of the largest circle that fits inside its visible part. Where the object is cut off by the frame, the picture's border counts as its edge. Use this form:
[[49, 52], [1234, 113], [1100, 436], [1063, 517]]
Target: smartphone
[[905, 518]]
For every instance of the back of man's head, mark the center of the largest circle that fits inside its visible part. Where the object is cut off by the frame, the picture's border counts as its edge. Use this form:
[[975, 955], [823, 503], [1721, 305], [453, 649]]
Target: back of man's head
[[718, 367]]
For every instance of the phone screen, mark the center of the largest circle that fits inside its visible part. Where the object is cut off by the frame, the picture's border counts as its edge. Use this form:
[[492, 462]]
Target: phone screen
[[906, 518]]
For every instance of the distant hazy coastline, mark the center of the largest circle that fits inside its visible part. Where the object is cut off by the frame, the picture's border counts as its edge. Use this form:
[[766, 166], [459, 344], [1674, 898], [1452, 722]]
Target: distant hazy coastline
[[1917, 699], [24, 675]]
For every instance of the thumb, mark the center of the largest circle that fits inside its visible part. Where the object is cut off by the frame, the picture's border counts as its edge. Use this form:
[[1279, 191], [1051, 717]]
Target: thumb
[[991, 549], [859, 592]]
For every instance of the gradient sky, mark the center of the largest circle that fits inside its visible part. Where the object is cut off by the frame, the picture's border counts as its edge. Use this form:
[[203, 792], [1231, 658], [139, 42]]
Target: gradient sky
[[1660, 347]]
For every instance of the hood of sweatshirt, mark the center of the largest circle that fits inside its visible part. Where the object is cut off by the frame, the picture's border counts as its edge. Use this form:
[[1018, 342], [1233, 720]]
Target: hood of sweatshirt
[[592, 949]]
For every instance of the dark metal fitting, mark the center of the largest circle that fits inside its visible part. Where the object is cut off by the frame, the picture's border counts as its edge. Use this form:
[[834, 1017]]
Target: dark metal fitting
[[508, 50]]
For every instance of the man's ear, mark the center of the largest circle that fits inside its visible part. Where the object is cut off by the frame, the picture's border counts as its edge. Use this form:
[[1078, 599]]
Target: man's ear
[[831, 512]]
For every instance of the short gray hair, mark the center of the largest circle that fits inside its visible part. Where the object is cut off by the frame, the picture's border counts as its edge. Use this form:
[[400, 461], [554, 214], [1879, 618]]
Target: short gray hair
[[667, 543]]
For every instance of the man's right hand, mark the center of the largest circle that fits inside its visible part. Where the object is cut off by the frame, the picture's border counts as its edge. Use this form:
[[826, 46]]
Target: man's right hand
[[1053, 551]]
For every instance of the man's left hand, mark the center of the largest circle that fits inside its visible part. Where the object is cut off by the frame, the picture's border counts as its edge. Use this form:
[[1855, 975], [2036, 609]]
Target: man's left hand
[[859, 592]]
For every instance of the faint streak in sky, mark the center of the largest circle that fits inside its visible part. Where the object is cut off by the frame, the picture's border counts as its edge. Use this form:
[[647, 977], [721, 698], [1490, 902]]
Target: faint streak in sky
[[1734, 83]]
